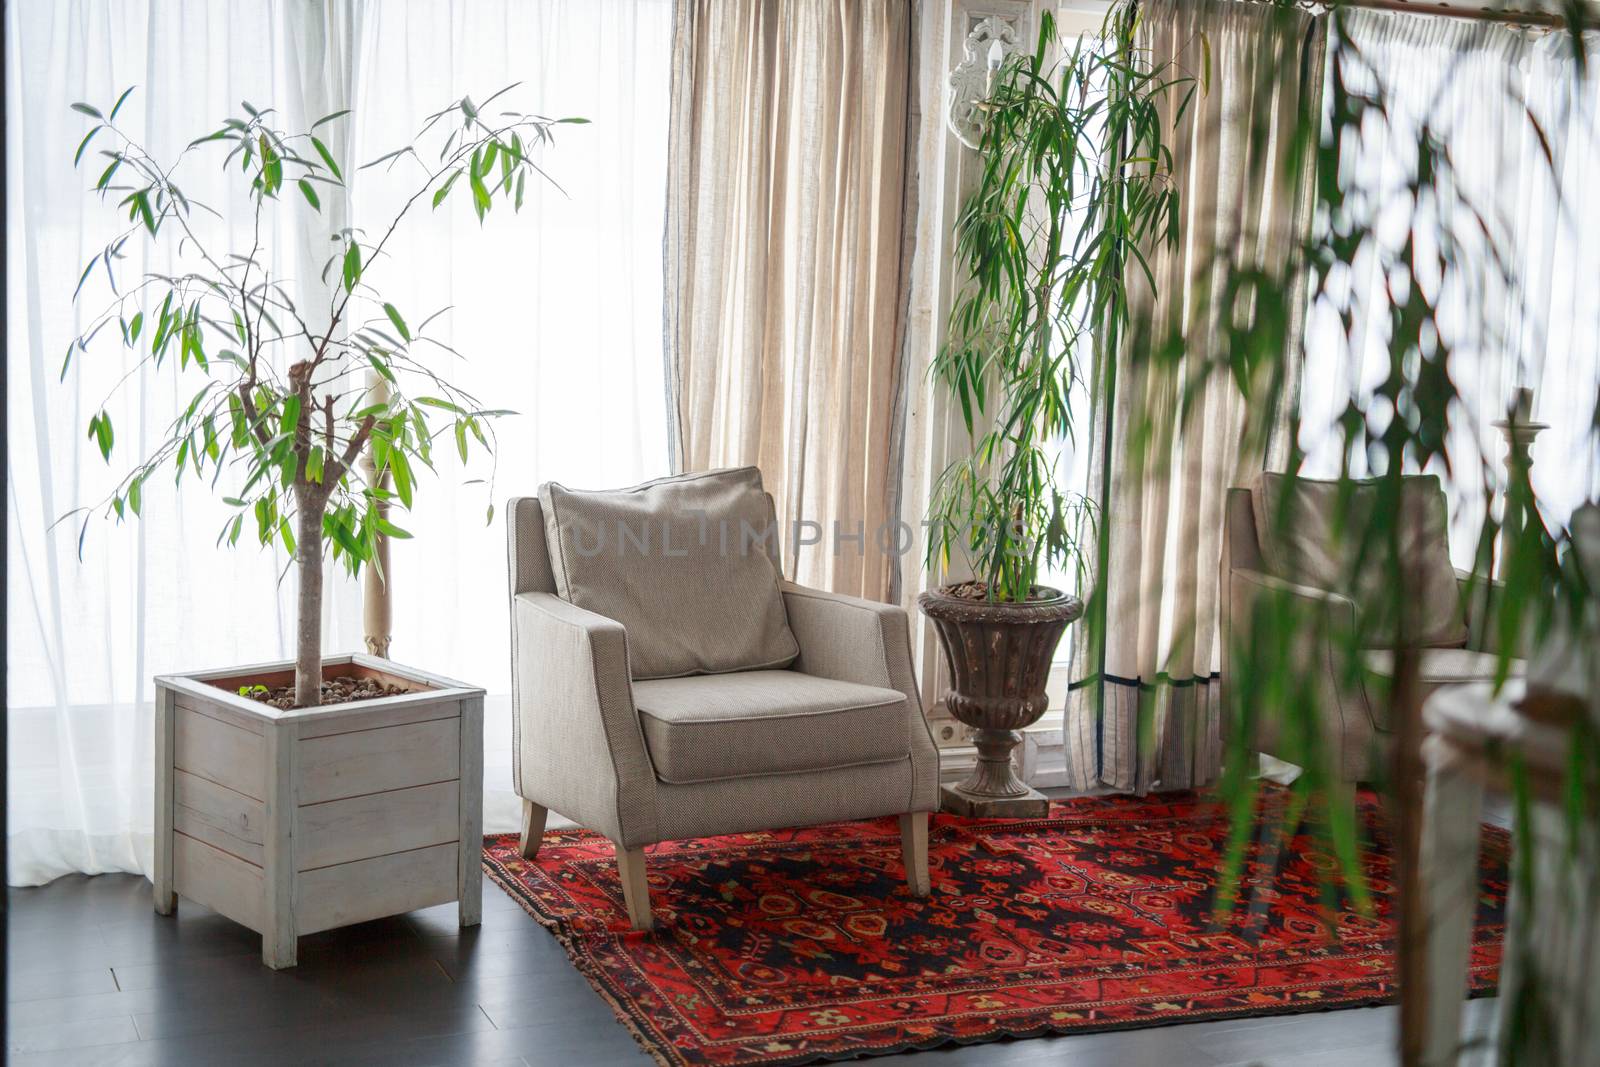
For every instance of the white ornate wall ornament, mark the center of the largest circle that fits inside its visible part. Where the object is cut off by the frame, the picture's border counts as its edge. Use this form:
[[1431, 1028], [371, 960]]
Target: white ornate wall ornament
[[988, 42]]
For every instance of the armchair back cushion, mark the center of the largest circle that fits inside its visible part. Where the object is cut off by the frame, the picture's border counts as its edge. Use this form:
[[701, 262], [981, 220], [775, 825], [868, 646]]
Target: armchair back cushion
[[1309, 536], [681, 564]]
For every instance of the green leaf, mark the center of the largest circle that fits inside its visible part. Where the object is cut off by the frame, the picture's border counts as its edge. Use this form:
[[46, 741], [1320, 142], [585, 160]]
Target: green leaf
[[382, 368], [84, 277], [352, 266], [443, 405], [141, 208], [100, 433], [290, 414], [85, 109], [389, 529], [461, 439], [83, 145], [120, 100], [135, 495], [327, 157], [105, 175], [399, 323], [339, 530], [388, 156], [241, 433], [310, 194], [444, 190], [480, 193], [265, 521], [271, 168], [401, 469], [134, 326], [324, 120]]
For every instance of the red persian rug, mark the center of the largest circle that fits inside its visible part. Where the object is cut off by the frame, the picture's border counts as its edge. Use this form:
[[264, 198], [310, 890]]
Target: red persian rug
[[804, 945]]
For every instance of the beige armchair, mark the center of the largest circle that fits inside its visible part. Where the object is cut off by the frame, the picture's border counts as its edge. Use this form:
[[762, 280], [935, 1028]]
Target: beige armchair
[[1356, 722], [614, 733]]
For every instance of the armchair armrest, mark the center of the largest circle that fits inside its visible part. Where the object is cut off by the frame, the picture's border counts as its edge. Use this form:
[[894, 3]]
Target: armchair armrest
[[578, 746], [1261, 580], [851, 639], [862, 641], [1347, 720]]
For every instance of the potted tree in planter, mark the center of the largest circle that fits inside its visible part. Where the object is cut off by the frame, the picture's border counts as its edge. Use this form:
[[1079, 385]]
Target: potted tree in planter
[[1070, 184], [287, 398]]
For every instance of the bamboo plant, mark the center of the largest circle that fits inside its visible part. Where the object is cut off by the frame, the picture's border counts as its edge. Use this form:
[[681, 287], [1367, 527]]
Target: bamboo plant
[[1400, 428], [280, 414], [1073, 181]]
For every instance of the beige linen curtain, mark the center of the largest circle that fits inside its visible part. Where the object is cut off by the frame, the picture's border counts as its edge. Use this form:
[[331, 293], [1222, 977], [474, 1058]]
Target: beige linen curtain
[[1144, 710], [786, 217]]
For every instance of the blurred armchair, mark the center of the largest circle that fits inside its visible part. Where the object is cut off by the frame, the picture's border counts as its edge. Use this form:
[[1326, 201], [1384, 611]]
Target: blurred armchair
[[1457, 635]]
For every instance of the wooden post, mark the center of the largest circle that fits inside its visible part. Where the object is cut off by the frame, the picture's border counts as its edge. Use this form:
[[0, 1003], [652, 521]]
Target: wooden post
[[469, 864], [166, 900], [278, 937], [377, 609], [1411, 963], [1451, 813]]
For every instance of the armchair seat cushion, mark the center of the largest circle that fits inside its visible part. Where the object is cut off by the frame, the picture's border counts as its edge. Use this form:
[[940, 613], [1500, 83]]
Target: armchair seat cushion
[[711, 727], [1437, 667]]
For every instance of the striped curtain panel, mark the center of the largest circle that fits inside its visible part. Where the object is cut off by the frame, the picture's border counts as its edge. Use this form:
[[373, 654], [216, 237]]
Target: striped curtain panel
[[1144, 710], [784, 260]]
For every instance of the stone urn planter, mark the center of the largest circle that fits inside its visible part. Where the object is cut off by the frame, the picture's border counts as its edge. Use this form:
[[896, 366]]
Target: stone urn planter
[[999, 656], [290, 821]]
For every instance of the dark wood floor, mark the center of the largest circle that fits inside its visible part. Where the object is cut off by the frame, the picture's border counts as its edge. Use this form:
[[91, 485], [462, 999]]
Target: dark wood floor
[[97, 978]]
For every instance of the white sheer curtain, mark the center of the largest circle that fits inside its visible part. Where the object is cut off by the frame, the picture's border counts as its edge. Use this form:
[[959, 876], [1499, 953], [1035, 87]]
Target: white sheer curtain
[[86, 637], [1476, 84], [559, 310]]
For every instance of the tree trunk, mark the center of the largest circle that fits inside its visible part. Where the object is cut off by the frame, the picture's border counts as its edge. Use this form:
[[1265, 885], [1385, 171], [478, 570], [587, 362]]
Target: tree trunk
[[308, 630]]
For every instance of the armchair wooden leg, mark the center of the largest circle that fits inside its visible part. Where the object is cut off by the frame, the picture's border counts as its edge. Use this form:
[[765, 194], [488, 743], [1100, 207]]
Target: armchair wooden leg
[[533, 819], [914, 847], [635, 889]]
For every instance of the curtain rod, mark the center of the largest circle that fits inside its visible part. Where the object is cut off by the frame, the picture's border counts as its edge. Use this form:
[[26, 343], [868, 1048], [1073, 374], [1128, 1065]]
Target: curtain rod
[[1542, 19]]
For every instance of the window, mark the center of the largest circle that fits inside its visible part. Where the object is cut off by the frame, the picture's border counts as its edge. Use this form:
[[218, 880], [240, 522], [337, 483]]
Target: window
[[1470, 82], [559, 309]]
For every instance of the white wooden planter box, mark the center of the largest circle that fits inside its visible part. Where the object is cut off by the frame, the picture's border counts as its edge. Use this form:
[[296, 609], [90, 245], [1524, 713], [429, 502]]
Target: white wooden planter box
[[290, 822]]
